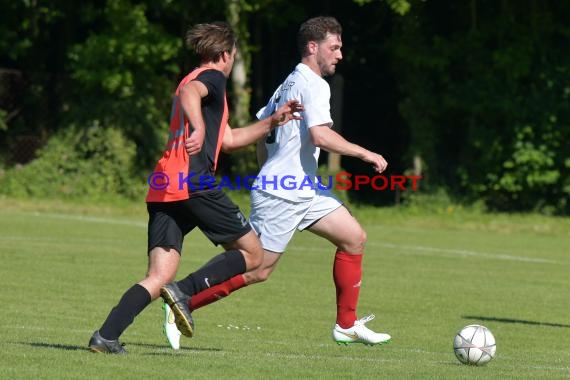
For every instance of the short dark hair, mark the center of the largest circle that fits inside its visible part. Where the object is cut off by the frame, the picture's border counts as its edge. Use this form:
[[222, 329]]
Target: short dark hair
[[210, 41], [316, 29]]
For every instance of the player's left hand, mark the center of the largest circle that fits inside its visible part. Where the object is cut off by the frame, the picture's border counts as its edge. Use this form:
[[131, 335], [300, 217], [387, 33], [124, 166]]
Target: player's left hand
[[193, 144], [287, 112]]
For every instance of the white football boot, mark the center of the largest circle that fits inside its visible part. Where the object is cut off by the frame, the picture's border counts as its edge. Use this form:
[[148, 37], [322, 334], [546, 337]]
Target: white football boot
[[169, 327], [359, 333]]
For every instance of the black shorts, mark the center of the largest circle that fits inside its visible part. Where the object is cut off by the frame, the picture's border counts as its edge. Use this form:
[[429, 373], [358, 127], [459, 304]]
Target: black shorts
[[213, 212]]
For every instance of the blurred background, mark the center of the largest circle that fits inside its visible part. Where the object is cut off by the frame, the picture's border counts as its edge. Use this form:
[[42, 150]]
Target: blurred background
[[474, 95]]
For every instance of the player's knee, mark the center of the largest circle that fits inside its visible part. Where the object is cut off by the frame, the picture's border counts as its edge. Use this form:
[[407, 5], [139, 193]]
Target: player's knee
[[253, 258], [363, 237], [361, 240], [356, 242]]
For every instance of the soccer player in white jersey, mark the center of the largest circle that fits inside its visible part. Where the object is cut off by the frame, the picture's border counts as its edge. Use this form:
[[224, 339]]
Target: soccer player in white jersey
[[279, 208]]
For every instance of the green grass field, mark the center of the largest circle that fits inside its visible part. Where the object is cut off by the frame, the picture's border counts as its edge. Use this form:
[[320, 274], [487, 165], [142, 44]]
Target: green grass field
[[64, 266]]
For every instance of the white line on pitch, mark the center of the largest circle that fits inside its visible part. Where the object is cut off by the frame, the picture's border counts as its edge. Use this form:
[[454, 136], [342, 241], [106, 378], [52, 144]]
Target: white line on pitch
[[433, 250], [93, 219], [464, 253], [417, 248]]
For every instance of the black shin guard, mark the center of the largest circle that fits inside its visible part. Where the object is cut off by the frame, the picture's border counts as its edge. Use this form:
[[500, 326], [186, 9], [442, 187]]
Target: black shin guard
[[131, 304], [221, 268]]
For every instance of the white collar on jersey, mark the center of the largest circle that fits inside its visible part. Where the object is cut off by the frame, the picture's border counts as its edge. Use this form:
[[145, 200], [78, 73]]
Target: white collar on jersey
[[306, 70]]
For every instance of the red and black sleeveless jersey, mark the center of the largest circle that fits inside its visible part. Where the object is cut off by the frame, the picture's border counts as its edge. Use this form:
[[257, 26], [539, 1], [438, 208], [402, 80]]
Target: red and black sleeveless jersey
[[177, 175]]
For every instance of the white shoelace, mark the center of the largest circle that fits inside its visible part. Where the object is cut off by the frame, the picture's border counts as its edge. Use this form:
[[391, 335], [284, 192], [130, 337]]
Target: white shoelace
[[364, 320]]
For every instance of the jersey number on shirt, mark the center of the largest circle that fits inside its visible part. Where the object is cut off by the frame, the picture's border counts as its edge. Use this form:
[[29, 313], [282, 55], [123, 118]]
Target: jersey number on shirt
[[272, 136]]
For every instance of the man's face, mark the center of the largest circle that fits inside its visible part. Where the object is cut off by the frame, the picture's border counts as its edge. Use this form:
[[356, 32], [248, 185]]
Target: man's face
[[329, 54]]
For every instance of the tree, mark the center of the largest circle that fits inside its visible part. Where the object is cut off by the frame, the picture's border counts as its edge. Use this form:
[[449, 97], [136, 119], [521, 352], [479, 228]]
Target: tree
[[485, 99], [123, 76]]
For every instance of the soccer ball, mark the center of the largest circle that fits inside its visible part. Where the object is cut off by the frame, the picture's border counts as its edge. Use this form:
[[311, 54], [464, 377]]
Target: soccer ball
[[474, 345]]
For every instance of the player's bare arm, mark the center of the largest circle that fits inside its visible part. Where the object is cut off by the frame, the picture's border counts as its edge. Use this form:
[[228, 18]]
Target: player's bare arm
[[237, 138], [325, 138], [191, 100]]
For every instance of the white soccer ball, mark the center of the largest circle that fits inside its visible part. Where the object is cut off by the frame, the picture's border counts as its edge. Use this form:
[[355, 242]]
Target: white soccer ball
[[474, 345]]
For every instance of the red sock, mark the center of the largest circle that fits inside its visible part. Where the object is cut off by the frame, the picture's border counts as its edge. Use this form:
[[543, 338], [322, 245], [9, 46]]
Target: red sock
[[216, 292], [347, 275]]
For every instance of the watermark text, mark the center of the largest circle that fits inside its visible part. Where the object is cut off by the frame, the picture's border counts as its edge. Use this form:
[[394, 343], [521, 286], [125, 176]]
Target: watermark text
[[341, 181]]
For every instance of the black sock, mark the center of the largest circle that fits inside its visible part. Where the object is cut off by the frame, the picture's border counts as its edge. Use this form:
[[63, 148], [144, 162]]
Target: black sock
[[131, 304], [221, 268]]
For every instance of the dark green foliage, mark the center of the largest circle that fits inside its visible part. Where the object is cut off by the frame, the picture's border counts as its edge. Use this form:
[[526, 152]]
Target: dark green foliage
[[92, 162], [478, 89], [484, 93], [124, 75]]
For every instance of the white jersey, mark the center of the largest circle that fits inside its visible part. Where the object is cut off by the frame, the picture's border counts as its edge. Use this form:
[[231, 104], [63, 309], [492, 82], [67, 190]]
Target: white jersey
[[292, 159]]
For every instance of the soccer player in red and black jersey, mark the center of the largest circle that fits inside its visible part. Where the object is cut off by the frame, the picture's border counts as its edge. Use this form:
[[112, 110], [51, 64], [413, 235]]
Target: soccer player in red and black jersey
[[177, 199]]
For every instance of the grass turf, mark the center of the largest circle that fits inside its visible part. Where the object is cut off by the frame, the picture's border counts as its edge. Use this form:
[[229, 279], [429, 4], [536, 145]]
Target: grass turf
[[64, 266]]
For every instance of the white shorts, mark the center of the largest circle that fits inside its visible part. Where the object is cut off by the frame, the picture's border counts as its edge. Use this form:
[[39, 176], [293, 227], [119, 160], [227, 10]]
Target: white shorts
[[275, 219]]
